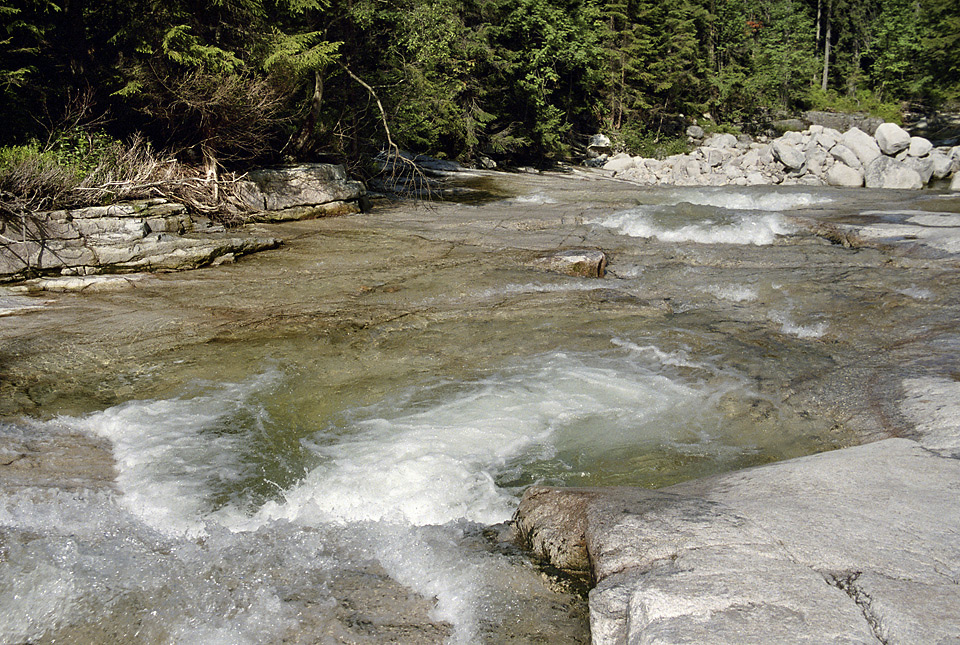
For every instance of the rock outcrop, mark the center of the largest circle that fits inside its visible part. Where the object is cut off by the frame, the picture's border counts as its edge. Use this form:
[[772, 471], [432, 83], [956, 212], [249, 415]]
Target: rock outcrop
[[155, 235], [300, 192], [857, 545], [146, 235], [817, 156], [850, 546]]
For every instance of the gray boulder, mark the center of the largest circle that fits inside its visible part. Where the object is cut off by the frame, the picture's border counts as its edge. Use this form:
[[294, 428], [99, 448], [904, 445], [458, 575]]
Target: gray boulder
[[923, 166], [598, 145], [919, 147], [827, 139], [942, 164], [818, 161], [788, 154], [844, 154], [275, 189], [862, 144], [840, 174], [712, 156], [892, 138], [887, 172], [955, 182], [793, 137], [721, 140], [619, 162], [695, 132], [750, 159]]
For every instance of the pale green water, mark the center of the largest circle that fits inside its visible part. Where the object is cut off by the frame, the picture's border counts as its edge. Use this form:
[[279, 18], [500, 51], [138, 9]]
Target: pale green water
[[309, 443]]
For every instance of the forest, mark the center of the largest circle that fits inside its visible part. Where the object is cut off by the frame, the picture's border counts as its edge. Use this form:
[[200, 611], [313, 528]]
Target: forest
[[231, 83]]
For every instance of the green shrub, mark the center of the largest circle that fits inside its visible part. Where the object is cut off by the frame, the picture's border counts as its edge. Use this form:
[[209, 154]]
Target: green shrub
[[76, 169], [652, 147], [33, 177], [862, 101]]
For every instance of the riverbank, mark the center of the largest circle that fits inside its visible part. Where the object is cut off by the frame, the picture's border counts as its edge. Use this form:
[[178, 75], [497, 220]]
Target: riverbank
[[364, 402], [886, 156]]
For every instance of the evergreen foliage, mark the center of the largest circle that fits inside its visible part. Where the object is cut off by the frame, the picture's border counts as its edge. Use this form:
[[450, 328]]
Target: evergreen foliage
[[242, 81]]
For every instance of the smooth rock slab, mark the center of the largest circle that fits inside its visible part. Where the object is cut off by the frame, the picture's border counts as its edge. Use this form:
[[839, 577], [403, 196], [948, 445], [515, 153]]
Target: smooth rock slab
[[772, 600], [77, 284], [773, 554]]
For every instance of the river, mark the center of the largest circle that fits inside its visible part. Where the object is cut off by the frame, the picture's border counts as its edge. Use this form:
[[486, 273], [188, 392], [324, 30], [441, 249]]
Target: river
[[323, 443]]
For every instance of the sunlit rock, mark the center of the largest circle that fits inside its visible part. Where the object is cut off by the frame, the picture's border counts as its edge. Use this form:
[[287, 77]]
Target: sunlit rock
[[619, 162], [845, 546], [843, 175], [887, 172], [919, 147], [892, 138], [583, 263], [862, 144], [278, 189]]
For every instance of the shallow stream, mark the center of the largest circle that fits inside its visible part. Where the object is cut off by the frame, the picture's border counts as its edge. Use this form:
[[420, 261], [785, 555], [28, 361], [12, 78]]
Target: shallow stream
[[322, 443]]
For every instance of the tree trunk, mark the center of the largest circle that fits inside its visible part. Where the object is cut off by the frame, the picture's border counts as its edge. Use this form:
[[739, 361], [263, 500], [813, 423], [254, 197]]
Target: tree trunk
[[299, 143], [826, 51], [819, 20]]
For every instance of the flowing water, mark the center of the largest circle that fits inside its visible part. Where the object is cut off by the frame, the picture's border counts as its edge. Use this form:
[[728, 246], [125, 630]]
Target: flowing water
[[322, 443]]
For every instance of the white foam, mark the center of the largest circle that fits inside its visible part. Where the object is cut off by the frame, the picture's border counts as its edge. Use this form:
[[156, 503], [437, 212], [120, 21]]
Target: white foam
[[168, 450], [34, 596], [917, 293], [80, 558], [733, 292], [400, 476], [535, 198], [540, 287], [738, 229], [678, 358], [433, 455], [750, 200], [790, 327]]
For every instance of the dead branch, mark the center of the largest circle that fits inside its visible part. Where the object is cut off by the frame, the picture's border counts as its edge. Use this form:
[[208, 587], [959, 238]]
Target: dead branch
[[420, 183]]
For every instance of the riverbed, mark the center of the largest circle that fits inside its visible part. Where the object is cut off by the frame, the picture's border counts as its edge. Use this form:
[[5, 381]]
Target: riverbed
[[323, 442]]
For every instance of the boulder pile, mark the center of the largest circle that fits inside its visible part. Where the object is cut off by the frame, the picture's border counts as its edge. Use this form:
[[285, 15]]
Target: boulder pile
[[817, 156]]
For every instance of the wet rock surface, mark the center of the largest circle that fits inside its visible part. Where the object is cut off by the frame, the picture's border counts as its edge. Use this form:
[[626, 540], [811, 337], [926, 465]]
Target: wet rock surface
[[838, 331]]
